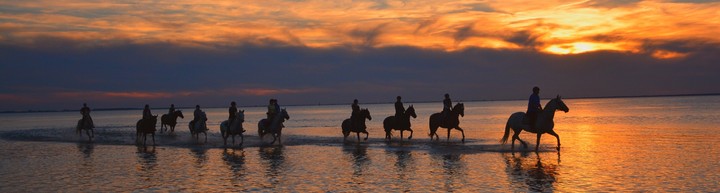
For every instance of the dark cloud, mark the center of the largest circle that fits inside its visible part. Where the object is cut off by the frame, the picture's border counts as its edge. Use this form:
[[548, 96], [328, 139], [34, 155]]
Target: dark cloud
[[611, 3], [51, 77]]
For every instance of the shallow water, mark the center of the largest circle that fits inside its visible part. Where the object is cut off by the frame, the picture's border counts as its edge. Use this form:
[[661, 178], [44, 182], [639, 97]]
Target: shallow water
[[625, 144]]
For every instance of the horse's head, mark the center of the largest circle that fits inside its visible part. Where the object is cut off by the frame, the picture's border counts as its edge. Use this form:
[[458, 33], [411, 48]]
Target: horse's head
[[179, 114], [240, 116], [411, 111], [153, 118], [284, 114], [365, 113], [561, 104], [459, 109]]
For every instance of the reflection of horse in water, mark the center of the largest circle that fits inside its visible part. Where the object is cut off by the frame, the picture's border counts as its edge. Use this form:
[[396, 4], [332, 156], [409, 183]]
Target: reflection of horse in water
[[452, 121], [274, 128], [236, 128], [401, 123], [359, 157], [348, 125], [147, 158], [198, 126], [538, 176], [274, 159], [235, 160], [167, 120], [544, 123], [144, 127], [87, 125]]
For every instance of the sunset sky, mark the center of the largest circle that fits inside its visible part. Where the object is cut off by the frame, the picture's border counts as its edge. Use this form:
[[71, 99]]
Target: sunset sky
[[59, 54]]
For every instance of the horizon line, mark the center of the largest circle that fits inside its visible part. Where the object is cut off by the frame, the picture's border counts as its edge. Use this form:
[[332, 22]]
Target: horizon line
[[376, 102]]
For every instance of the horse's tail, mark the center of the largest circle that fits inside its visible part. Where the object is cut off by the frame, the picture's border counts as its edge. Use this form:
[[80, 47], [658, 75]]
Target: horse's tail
[[507, 132]]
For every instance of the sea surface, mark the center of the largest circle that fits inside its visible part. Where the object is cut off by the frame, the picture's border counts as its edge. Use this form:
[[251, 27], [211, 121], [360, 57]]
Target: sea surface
[[659, 144]]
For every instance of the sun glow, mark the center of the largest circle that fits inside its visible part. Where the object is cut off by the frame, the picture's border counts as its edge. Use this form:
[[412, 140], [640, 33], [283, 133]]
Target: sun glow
[[580, 47]]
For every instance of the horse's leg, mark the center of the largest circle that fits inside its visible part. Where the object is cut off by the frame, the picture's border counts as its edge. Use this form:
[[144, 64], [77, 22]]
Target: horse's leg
[[556, 136], [448, 139], [411, 133], [463, 133], [366, 135], [538, 141], [153, 136], [358, 136], [401, 135], [205, 136]]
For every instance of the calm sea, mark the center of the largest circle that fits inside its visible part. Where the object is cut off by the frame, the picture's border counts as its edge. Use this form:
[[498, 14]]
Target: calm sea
[[624, 144]]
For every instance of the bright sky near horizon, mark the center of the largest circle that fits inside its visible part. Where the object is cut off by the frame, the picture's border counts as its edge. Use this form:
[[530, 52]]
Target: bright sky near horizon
[[310, 42]]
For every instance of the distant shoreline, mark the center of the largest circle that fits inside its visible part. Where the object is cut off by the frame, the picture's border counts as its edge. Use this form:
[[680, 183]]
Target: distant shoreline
[[333, 104]]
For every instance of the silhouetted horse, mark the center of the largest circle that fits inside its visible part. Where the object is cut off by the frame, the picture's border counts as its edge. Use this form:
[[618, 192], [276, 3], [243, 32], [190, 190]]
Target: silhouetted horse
[[85, 124], [359, 127], [544, 123], [275, 127], [452, 121], [145, 126], [170, 120], [198, 126], [401, 123], [236, 128]]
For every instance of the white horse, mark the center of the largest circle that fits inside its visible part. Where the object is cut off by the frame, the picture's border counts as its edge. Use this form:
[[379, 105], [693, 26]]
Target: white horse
[[544, 123], [199, 126], [235, 129]]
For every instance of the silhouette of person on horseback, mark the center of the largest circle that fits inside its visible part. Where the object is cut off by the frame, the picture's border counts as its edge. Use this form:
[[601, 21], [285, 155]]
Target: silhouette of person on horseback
[[273, 111], [447, 107], [399, 109], [534, 107], [146, 112], [197, 114], [232, 112], [354, 115], [171, 111], [85, 112]]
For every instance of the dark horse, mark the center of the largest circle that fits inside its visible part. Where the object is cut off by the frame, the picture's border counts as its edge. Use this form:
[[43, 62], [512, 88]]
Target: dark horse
[[401, 123], [274, 128], [359, 127], [236, 128], [452, 121], [168, 120], [145, 126], [198, 126], [85, 124], [544, 123]]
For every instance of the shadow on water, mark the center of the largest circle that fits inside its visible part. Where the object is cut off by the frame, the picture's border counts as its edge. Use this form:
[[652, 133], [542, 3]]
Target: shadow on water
[[534, 173], [360, 159], [454, 170], [273, 158]]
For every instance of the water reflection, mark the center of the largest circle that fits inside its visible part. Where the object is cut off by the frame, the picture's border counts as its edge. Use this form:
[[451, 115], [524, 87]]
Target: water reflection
[[536, 175], [235, 159], [403, 168], [86, 149], [147, 158], [360, 159], [273, 159], [200, 156], [454, 169]]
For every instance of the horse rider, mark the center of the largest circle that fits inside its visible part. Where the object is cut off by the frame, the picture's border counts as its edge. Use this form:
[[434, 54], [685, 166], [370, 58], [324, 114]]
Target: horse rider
[[197, 115], [355, 110], [399, 109], [232, 112], [85, 112], [534, 107], [146, 112], [171, 111], [447, 107], [273, 111]]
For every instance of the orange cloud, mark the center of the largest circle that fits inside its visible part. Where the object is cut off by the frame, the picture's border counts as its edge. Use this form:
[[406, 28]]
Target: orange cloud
[[554, 26]]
